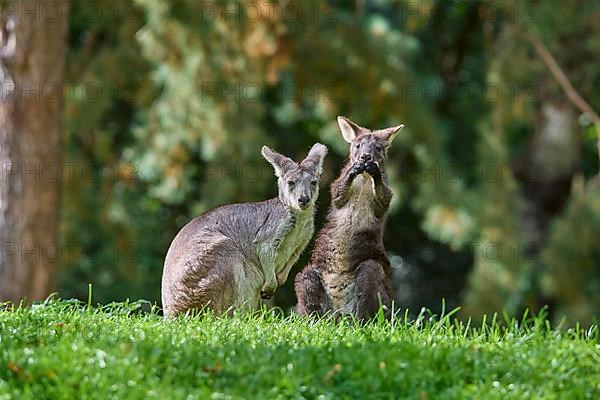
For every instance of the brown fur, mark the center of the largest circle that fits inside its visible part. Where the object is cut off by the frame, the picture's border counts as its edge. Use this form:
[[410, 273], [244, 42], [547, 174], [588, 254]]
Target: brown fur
[[349, 272]]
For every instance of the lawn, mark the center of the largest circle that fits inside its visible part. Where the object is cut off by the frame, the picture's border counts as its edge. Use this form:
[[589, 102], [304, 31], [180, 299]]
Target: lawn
[[64, 350]]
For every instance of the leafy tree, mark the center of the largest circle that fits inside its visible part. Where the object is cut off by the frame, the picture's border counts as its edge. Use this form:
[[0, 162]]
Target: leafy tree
[[481, 189]]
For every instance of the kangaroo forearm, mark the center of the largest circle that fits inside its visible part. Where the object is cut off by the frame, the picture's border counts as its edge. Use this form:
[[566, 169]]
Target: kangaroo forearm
[[383, 194], [269, 273], [341, 199], [283, 274], [381, 208], [270, 285], [382, 200], [340, 192]]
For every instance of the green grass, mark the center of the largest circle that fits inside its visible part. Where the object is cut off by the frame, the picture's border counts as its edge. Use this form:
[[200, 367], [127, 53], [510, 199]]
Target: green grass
[[63, 350]]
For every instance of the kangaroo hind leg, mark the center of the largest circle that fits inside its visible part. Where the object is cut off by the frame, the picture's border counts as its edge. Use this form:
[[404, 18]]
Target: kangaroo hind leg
[[312, 299], [372, 290]]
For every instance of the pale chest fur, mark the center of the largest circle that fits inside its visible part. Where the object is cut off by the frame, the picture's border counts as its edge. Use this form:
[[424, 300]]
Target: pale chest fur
[[293, 242], [289, 240], [357, 214], [279, 252]]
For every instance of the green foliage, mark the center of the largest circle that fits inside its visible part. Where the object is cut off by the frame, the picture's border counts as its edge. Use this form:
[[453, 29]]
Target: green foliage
[[205, 119], [497, 280], [60, 350], [109, 81], [573, 259], [192, 93]]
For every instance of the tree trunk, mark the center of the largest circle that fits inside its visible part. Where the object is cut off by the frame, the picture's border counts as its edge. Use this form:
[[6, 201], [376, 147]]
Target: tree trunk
[[32, 60], [546, 176], [551, 162]]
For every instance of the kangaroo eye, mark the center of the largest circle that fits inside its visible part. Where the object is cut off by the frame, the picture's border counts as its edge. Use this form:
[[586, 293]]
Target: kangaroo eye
[[357, 145], [291, 183]]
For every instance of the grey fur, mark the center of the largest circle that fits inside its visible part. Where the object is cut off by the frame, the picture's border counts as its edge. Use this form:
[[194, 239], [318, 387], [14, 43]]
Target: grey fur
[[229, 257]]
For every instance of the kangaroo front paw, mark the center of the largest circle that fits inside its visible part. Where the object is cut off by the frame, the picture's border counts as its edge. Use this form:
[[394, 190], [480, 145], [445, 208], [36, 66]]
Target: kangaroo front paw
[[357, 169], [268, 290], [372, 169]]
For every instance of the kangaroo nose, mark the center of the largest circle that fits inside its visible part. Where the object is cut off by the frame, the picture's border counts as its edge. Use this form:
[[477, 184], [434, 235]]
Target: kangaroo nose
[[303, 200], [365, 157]]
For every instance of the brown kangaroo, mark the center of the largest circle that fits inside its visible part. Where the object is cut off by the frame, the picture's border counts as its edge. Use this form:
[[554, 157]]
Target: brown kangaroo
[[349, 272]]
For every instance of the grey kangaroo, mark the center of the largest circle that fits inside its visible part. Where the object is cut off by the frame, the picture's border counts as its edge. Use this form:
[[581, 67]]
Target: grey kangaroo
[[349, 272], [227, 258]]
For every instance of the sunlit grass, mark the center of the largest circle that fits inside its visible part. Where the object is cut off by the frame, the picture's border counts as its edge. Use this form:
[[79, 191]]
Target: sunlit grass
[[67, 350]]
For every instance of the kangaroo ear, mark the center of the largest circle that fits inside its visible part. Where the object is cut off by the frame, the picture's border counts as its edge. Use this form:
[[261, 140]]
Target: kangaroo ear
[[280, 163], [390, 134], [349, 129], [314, 159]]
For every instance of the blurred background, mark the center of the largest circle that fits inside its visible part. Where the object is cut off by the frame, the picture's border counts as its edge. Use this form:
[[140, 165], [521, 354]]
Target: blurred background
[[122, 120]]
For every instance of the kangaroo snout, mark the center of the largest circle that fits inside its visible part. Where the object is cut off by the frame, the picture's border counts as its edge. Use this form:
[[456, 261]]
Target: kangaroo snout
[[366, 157], [303, 201]]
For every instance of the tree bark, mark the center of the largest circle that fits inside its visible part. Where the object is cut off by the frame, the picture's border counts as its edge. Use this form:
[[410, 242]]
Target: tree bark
[[32, 60], [546, 175]]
